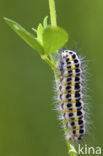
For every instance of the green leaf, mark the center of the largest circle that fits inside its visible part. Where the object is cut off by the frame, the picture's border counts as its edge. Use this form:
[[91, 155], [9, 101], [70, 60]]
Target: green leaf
[[54, 38], [45, 22], [25, 35], [39, 32]]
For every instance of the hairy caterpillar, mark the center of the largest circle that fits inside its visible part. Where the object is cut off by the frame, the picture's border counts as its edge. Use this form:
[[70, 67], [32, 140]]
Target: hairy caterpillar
[[70, 95]]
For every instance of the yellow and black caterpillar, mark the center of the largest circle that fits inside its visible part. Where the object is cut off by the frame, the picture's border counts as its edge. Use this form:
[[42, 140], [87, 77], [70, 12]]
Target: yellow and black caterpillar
[[70, 94]]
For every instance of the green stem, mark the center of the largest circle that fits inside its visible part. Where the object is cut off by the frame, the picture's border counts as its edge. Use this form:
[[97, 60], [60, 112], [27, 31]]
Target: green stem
[[48, 61], [52, 12], [52, 59], [52, 64], [64, 123]]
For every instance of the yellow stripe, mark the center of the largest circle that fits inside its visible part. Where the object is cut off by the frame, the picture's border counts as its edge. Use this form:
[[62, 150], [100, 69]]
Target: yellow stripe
[[74, 110], [74, 75], [70, 59], [77, 128], [67, 110], [73, 100], [72, 84], [72, 67], [73, 92], [76, 119]]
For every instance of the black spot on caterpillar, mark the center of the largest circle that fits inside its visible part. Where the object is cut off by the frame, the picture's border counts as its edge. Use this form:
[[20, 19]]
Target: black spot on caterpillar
[[70, 95]]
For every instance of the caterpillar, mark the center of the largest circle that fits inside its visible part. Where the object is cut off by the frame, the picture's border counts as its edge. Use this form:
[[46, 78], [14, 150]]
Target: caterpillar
[[71, 95]]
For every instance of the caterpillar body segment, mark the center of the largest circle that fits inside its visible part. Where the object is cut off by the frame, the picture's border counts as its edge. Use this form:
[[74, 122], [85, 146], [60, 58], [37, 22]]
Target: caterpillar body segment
[[71, 95]]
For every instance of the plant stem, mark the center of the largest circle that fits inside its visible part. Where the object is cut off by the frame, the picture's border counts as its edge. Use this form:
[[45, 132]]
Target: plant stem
[[52, 59], [48, 61], [52, 12], [52, 64], [63, 122]]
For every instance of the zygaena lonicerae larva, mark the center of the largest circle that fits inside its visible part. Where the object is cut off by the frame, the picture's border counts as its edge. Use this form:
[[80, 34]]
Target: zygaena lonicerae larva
[[71, 94]]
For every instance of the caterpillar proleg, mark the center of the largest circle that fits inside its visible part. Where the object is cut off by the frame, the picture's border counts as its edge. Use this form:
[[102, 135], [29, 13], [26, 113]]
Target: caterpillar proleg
[[70, 95]]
